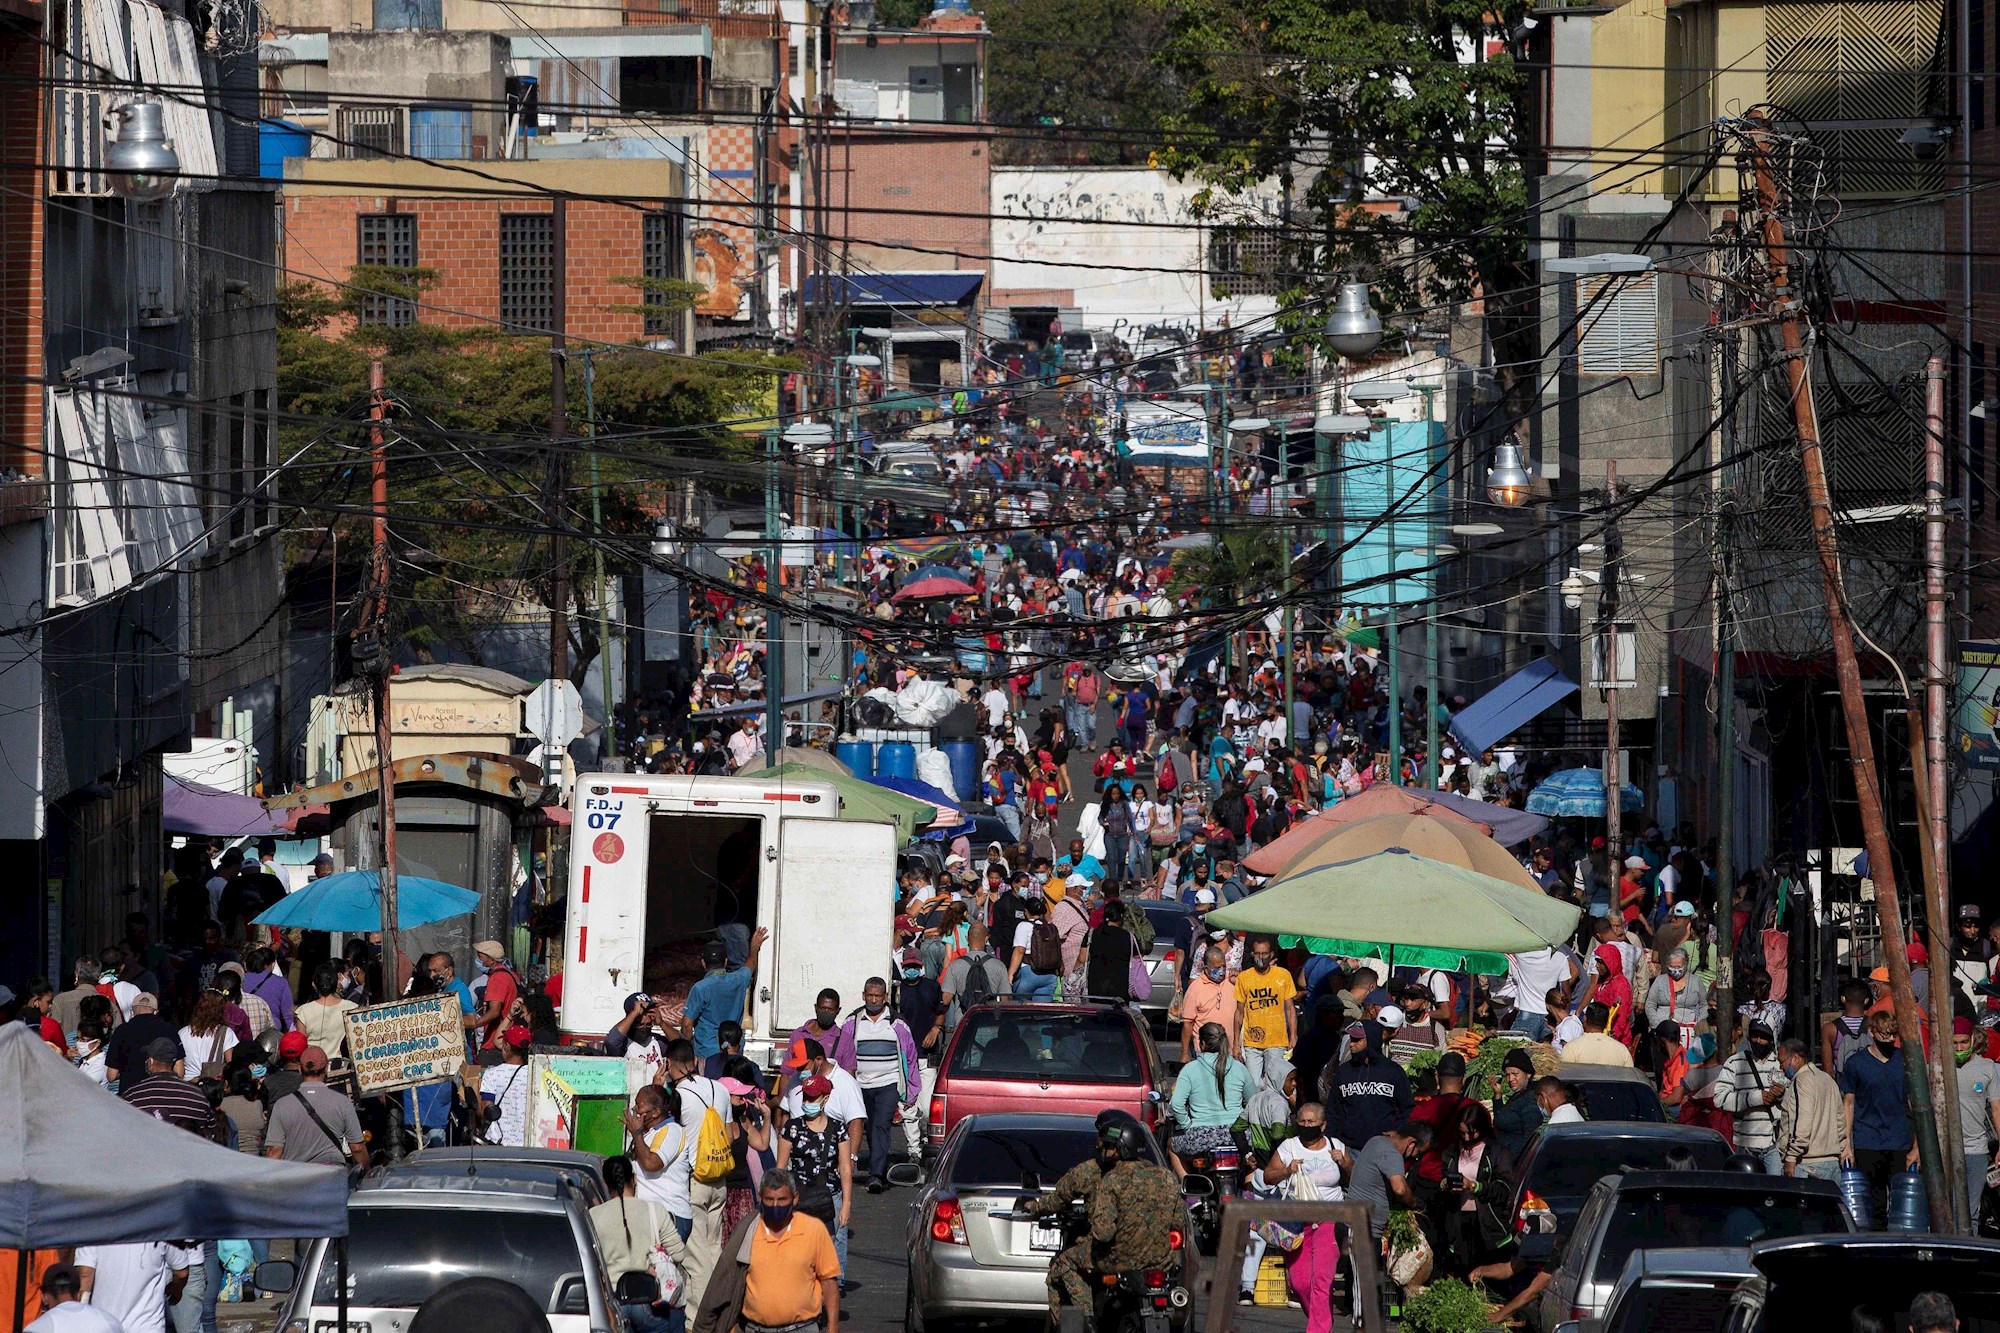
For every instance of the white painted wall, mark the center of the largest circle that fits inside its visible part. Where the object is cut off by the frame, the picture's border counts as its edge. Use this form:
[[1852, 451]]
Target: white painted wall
[[1032, 251]]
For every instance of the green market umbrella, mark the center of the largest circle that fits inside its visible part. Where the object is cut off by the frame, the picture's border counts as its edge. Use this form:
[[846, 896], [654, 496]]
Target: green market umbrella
[[1411, 910], [859, 798]]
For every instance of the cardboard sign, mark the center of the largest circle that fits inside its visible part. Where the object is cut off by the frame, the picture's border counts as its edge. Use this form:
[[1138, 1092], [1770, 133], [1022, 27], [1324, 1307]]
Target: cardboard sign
[[578, 1101], [406, 1042]]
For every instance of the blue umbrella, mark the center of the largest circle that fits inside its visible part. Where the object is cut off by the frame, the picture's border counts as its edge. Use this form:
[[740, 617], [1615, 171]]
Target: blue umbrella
[[352, 901], [923, 572], [1578, 793]]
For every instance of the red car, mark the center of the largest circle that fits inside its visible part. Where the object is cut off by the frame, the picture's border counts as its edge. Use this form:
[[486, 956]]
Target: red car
[[1058, 1058]]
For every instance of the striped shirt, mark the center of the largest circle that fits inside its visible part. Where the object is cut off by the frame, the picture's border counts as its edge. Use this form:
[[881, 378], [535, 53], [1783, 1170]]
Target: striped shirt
[[167, 1098], [878, 1055]]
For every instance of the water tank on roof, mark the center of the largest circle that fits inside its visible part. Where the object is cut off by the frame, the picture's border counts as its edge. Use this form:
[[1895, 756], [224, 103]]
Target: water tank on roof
[[951, 7], [276, 141]]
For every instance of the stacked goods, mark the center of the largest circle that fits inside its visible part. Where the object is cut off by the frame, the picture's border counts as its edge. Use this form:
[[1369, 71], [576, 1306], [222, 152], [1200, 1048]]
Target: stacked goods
[[670, 971]]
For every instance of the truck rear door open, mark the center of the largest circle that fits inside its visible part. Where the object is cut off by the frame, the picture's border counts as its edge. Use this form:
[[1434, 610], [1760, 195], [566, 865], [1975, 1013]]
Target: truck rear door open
[[832, 920]]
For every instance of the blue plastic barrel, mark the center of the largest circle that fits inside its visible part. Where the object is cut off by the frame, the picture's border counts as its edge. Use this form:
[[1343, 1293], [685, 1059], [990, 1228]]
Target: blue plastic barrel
[[895, 759], [964, 757], [859, 756], [1909, 1204], [278, 140], [1858, 1196]]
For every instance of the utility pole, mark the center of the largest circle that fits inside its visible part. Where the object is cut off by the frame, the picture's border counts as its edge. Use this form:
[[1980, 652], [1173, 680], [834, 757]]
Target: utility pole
[[1927, 739], [774, 627], [1724, 824], [378, 461], [607, 742], [1607, 628], [558, 436], [1785, 304]]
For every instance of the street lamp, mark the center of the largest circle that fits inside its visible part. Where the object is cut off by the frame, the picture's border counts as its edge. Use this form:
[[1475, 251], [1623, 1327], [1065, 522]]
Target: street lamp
[[1380, 391], [666, 541], [1507, 481], [1604, 264], [141, 159], [1353, 329]]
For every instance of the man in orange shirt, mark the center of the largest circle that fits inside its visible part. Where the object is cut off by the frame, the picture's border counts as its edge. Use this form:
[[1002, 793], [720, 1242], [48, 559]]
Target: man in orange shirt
[[793, 1273]]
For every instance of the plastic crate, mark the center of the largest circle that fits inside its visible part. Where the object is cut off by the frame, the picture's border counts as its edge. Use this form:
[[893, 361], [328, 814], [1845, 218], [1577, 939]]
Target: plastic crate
[[1270, 1289]]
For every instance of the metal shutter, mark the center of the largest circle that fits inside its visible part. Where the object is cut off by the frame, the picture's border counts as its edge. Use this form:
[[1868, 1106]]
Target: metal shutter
[[1618, 331]]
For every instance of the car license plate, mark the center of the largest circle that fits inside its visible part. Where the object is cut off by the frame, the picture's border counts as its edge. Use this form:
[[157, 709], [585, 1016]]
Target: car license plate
[[1044, 1238]]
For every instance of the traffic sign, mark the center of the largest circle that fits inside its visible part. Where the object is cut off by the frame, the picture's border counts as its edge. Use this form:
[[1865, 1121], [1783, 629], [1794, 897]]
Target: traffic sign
[[553, 712]]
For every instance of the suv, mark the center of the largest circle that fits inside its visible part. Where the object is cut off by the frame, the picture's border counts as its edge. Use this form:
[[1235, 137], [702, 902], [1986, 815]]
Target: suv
[[1822, 1283], [1613, 1092], [1667, 1291], [408, 1236], [1646, 1209], [1077, 1058], [1562, 1162]]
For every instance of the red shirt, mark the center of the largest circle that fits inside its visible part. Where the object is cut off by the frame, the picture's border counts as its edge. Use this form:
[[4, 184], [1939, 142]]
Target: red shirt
[[501, 988], [1437, 1112]]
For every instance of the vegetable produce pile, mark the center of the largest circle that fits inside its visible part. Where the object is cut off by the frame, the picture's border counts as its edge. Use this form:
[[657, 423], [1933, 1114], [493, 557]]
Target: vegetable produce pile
[[1449, 1306]]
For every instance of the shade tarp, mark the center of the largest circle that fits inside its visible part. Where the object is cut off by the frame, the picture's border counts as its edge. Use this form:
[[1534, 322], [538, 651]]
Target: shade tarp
[[1578, 793], [1510, 827], [1397, 899], [1452, 841], [189, 807], [1301, 839], [80, 1167], [859, 798], [352, 901], [936, 287], [1511, 704]]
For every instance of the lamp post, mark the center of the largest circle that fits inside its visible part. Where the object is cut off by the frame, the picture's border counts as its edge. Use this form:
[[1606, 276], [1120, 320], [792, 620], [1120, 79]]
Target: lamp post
[[141, 160]]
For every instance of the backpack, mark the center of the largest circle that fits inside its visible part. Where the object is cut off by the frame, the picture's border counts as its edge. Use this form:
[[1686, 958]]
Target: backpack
[[1169, 779], [978, 985], [1045, 949], [713, 1157]]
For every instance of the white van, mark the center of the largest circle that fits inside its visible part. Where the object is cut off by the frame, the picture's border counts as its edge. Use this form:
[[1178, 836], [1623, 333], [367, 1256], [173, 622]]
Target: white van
[[658, 862]]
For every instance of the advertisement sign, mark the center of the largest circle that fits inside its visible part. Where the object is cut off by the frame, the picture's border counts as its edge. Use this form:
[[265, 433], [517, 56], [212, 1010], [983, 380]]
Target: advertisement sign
[[578, 1101], [1978, 703], [406, 1042]]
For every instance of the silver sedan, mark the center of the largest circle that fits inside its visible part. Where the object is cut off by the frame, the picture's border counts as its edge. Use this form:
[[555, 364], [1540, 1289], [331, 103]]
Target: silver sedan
[[967, 1264]]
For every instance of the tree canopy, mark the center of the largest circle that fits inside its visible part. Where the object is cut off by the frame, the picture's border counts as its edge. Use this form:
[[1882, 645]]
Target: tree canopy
[[472, 508]]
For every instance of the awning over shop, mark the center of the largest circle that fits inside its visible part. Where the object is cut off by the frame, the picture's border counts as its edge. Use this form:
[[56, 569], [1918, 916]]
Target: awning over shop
[[189, 807], [944, 287], [748, 707], [1515, 701]]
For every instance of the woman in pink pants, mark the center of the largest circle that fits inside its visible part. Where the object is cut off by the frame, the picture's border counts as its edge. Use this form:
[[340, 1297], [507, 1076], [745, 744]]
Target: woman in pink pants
[[1311, 1275], [1326, 1163]]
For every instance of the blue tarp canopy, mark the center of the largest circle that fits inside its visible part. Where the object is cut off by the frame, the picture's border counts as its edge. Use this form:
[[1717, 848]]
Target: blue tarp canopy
[[1514, 701], [949, 287]]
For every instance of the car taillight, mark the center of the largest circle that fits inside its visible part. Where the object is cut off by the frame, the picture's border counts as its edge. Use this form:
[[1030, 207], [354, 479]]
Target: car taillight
[[1174, 1238], [1172, 957], [936, 1128], [948, 1222]]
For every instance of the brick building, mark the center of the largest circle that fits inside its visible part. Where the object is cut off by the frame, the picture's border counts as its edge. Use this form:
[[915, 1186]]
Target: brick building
[[494, 257]]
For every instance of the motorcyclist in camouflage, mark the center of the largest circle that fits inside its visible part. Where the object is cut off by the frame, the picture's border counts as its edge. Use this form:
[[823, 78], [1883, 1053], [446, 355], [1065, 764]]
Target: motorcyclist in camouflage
[[1134, 1205]]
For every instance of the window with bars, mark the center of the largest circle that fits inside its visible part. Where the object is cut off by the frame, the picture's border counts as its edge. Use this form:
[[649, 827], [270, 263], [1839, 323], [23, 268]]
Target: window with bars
[[527, 270], [1618, 325], [660, 252], [1244, 261], [371, 131], [388, 240]]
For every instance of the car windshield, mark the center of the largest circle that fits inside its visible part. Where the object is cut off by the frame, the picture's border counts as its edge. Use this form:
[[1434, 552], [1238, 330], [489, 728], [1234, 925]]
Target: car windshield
[[1002, 1157], [1834, 1302], [398, 1257], [1728, 1218], [1675, 1306], [1609, 1100], [1568, 1167], [1056, 1048], [1076, 341]]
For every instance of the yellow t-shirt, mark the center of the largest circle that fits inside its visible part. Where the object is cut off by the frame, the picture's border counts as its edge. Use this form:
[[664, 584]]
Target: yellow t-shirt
[[1261, 998], [782, 1286]]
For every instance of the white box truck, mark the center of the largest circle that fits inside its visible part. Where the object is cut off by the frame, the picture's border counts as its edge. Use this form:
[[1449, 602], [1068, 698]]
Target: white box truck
[[660, 863]]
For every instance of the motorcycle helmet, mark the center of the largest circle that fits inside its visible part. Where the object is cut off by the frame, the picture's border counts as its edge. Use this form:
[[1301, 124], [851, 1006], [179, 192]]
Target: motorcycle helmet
[[267, 1042], [1121, 1137], [1745, 1163]]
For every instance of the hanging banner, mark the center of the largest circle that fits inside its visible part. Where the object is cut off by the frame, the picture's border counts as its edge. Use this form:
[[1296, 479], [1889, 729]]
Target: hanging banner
[[406, 1042], [1978, 703]]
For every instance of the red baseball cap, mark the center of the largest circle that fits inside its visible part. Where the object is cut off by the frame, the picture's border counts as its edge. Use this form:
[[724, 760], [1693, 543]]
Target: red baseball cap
[[518, 1037], [292, 1045]]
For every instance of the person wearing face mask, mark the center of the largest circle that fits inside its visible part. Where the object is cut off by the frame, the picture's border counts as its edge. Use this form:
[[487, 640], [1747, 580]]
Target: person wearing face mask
[[1873, 1095], [1750, 1087], [887, 1067], [1324, 1160], [1678, 996], [1266, 1006], [814, 1147], [1978, 1105], [1208, 998], [783, 1273], [823, 1029]]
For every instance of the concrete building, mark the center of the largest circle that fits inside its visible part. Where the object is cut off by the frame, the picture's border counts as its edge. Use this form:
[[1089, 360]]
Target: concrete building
[[139, 571]]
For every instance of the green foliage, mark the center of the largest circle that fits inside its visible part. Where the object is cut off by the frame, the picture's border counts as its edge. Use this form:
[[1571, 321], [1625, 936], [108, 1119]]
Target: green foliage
[[660, 298], [1401, 1232], [469, 456], [1273, 88], [1080, 66], [1450, 1306], [1240, 564], [901, 13]]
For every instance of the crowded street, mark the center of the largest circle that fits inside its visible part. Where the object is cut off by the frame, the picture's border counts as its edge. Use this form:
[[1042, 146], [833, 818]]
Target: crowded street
[[736, 666]]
